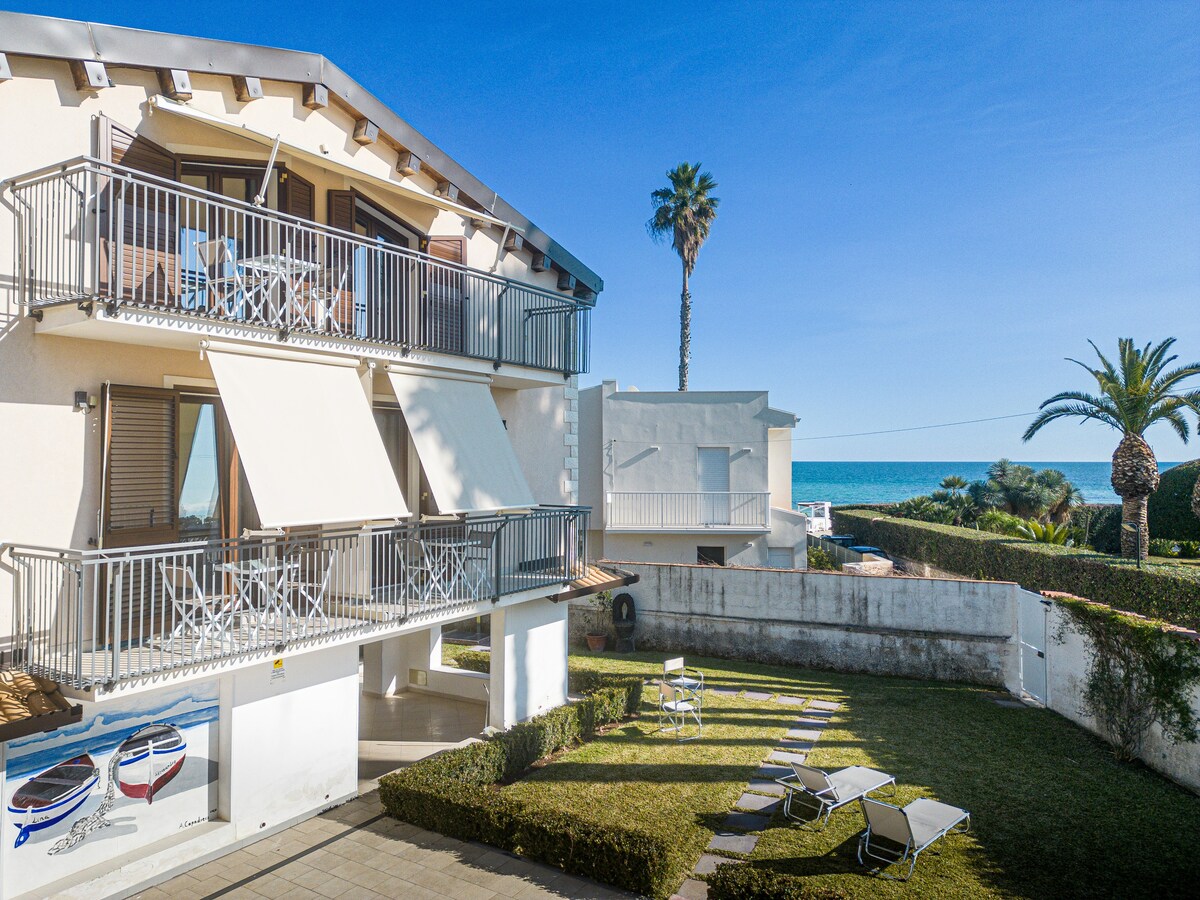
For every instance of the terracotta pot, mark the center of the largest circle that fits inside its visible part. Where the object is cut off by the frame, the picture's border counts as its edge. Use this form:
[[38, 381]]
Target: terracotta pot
[[597, 642]]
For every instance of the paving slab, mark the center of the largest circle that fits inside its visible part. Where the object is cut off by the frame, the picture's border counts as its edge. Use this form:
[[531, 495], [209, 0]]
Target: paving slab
[[826, 705], [758, 695], [770, 772], [744, 821], [708, 863], [764, 786], [724, 691], [758, 803], [798, 746], [791, 701], [813, 722], [691, 890], [803, 734], [784, 756], [728, 842]]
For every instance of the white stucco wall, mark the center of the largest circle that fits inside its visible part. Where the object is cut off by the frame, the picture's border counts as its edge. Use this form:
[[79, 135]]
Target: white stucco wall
[[542, 425], [529, 661], [664, 547], [779, 465]]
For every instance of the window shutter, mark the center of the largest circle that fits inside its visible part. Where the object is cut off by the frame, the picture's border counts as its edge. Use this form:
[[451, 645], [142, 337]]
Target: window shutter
[[341, 210], [444, 324], [140, 465], [145, 254], [299, 197]]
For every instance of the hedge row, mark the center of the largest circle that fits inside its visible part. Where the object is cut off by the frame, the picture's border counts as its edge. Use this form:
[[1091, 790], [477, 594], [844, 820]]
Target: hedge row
[[746, 882], [454, 794], [475, 661], [1170, 593]]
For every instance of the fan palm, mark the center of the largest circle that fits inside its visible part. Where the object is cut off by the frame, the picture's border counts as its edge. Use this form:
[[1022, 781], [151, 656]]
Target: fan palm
[[1136, 392], [955, 484], [684, 210]]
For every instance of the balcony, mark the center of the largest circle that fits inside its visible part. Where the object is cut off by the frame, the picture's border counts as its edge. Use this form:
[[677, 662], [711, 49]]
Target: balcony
[[93, 232], [101, 617], [689, 511]]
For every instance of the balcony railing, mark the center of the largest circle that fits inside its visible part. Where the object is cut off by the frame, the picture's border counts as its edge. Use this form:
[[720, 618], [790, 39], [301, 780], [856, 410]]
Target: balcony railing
[[689, 509], [97, 232], [103, 616]]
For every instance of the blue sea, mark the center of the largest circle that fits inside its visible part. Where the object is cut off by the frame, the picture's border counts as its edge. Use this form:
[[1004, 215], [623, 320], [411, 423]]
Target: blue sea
[[891, 482]]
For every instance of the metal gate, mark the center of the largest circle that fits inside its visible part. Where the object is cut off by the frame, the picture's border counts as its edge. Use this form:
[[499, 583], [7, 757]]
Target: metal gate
[[1033, 613]]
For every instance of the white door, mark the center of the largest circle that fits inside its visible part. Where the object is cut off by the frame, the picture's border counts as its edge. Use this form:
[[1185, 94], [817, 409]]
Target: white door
[[714, 485], [1033, 613], [781, 558]]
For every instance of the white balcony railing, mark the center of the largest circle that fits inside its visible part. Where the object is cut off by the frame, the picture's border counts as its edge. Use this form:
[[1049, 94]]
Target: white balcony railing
[[689, 509], [88, 617], [94, 232]]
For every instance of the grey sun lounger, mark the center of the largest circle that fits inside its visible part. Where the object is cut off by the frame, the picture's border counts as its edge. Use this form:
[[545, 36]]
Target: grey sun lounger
[[897, 835], [826, 791]]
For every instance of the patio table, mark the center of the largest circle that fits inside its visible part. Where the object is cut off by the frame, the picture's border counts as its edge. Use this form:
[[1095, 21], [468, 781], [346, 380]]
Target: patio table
[[446, 559], [260, 588], [276, 271]]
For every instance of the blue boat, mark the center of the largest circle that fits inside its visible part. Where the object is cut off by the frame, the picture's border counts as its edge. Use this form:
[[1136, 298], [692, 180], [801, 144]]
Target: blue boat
[[50, 797]]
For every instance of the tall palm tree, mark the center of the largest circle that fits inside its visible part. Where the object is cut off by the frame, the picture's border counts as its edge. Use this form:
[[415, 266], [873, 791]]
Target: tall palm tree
[[1134, 394], [684, 210]]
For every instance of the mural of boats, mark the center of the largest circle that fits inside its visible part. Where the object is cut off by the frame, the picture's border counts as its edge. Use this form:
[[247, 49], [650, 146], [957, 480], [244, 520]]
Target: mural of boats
[[156, 755], [50, 797]]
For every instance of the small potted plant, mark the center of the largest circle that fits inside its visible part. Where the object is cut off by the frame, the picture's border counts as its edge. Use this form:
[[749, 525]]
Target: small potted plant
[[599, 613]]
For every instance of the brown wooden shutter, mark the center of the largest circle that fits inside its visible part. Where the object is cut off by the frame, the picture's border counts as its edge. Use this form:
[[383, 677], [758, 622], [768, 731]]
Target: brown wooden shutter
[[341, 210], [298, 197], [444, 325], [140, 466], [341, 215], [145, 234]]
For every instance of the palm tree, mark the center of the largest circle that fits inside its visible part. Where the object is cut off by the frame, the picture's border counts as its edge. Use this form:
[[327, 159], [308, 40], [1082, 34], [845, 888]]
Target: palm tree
[[1134, 394], [685, 210], [955, 484]]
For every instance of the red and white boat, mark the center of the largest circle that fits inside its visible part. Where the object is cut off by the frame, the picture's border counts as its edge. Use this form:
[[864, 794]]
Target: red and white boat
[[156, 755]]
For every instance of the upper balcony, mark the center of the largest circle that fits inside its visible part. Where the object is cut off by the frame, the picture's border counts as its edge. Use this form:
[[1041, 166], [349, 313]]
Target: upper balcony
[[106, 617], [688, 511], [91, 232]]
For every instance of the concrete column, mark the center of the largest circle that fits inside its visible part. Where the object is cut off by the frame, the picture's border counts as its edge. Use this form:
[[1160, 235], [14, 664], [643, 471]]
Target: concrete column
[[529, 661]]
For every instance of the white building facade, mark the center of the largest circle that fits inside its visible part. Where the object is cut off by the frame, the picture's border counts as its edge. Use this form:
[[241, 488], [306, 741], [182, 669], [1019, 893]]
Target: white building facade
[[283, 390], [689, 477]]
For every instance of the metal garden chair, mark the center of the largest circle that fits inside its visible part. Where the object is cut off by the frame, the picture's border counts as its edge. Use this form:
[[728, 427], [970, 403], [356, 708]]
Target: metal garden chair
[[826, 791], [676, 706], [896, 835]]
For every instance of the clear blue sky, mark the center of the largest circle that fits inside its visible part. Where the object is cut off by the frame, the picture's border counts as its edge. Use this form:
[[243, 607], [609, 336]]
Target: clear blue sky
[[924, 207]]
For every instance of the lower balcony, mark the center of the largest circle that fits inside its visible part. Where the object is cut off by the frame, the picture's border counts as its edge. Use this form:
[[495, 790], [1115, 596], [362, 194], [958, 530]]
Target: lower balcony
[[686, 511], [101, 617]]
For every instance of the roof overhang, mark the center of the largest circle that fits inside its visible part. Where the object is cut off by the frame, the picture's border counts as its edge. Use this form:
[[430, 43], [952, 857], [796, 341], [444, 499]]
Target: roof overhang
[[23, 34], [595, 580]]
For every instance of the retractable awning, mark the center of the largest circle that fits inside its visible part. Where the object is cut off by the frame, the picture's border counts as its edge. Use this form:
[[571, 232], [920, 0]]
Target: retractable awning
[[307, 439], [319, 159], [461, 440]]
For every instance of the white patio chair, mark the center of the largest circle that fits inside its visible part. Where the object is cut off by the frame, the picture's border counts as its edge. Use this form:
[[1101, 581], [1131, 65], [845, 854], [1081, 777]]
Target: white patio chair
[[896, 835], [315, 570], [477, 558], [200, 617], [324, 291], [688, 680], [676, 707], [230, 291], [827, 791]]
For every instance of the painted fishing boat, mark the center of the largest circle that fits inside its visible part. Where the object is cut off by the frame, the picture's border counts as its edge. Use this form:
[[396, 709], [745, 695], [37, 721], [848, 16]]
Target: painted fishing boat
[[155, 756], [50, 797]]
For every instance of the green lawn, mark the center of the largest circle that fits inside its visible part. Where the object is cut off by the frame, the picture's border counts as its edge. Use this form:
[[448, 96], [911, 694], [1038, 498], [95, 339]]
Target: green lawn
[[1052, 813]]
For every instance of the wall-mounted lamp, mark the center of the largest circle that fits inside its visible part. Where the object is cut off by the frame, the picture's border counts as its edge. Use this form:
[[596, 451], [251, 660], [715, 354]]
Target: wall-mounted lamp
[[655, 447], [747, 449], [84, 402]]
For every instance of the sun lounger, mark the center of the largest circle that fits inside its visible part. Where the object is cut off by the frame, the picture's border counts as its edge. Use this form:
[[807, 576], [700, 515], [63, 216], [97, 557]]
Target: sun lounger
[[826, 791], [897, 835]]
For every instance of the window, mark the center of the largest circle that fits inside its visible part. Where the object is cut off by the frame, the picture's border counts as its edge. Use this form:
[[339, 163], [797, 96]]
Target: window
[[713, 478], [710, 556]]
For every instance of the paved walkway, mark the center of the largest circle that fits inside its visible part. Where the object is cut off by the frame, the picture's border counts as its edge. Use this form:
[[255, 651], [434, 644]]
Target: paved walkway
[[355, 852]]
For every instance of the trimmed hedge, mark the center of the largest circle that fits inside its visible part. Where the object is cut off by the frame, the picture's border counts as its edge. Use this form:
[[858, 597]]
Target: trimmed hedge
[[1171, 593], [454, 794], [1170, 508], [746, 882], [475, 661], [1102, 522]]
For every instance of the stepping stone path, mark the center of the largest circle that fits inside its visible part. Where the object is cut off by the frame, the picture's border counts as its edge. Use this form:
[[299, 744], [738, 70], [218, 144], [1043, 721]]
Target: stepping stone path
[[752, 810]]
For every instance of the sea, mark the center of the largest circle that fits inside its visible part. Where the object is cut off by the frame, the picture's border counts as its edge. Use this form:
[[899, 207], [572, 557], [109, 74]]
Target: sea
[[891, 482]]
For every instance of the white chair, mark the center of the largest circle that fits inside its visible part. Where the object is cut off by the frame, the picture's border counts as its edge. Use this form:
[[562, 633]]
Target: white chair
[[230, 292], [200, 617], [688, 680], [477, 558], [897, 835], [676, 706], [827, 791], [315, 570]]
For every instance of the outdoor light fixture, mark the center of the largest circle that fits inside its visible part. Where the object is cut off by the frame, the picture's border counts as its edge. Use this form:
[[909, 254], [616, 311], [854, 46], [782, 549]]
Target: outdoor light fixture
[[84, 402]]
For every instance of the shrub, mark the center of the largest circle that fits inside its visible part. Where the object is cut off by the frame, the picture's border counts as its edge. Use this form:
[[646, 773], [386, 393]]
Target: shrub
[[997, 521], [1189, 549], [1163, 547], [475, 661], [452, 794], [1169, 511], [1100, 525], [747, 882], [1161, 591], [820, 561]]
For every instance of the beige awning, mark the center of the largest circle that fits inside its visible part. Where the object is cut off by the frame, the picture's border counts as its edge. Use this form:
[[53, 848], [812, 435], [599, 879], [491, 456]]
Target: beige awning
[[463, 445], [307, 439], [319, 159]]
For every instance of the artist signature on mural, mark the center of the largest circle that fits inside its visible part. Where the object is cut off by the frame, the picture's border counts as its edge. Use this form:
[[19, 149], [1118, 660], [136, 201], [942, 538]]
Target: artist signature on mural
[[190, 822]]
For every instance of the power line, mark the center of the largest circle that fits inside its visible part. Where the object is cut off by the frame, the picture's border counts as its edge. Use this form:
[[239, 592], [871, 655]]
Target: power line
[[826, 437]]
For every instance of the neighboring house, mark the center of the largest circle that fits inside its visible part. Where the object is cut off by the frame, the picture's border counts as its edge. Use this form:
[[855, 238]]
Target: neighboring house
[[689, 477], [281, 385]]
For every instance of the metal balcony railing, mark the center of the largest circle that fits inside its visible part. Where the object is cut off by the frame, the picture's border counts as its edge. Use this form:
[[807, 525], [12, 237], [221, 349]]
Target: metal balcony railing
[[689, 509], [99, 617], [90, 231]]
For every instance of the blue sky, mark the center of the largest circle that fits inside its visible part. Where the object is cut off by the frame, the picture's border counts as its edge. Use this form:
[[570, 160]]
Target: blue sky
[[924, 207]]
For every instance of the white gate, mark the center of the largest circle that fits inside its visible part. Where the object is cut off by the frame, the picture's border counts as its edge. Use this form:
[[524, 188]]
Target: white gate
[[1033, 614]]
